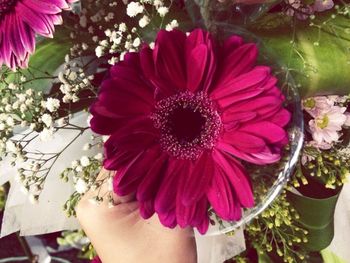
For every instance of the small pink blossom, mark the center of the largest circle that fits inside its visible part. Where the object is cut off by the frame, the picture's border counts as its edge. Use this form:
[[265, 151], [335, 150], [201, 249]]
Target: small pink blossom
[[322, 5], [301, 11], [325, 127], [316, 105]]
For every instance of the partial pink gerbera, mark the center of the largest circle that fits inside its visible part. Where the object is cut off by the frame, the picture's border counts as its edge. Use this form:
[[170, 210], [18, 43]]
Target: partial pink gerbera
[[181, 118], [20, 20]]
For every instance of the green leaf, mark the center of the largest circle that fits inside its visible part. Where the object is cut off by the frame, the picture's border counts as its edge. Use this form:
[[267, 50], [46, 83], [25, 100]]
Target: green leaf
[[317, 216], [319, 56], [264, 258]]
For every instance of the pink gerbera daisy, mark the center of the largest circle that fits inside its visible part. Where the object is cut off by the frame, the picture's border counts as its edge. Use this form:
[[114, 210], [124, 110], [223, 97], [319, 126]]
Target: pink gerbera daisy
[[181, 118], [20, 20]]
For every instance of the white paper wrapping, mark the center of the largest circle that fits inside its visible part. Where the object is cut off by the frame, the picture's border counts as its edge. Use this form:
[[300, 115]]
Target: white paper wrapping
[[341, 242], [219, 248], [48, 215]]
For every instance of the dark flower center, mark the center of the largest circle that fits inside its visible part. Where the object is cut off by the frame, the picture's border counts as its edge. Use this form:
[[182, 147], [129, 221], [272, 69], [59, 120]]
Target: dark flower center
[[6, 6], [188, 124]]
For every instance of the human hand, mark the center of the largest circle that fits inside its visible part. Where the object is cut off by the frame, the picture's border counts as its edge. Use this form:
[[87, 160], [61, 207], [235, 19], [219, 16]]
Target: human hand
[[120, 235]]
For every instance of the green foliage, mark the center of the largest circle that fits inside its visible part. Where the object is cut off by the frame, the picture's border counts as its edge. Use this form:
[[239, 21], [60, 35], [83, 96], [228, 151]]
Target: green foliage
[[77, 239], [315, 52], [2, 198]]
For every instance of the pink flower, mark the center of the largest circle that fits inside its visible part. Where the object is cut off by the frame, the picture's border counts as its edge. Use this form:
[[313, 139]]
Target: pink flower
[[316, 105], [347, 122], [327, 125], [298, 9], [20, 20], [181, 118], [322, 5]]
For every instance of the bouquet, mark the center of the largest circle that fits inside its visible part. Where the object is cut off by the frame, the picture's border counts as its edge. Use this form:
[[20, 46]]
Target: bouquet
[[211, 115]]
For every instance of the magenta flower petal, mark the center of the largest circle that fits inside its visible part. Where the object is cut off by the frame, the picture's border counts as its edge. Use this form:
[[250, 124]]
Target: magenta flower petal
[[268, 131], [168, 51], [149, 186], [220, 196], [20, 20], [244, 141], [237, 177], [165, 198], [200, 60], [197, 184], [147, 209], [121, 150], [267, 157], [128, 178], [168, 219], [281, 118], [231, 44], [240, 83], [203, 226], [182, 116], [240, 61]]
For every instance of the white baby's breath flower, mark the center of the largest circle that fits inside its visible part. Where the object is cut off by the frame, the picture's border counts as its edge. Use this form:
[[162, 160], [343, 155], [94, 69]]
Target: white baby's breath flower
[[12, 86], [112, 60], [46, 134], [98, 156], [81, 186], [8, 108], [162, 11], [47, 119], [85, 161], [144, 21], [10, 121], [29, 92], [173, 24], [137, 42], [52, 104], [74, 164], [21, 97], [122, 27], [11, 146], [99, 51], [134, 8], [79, 168]]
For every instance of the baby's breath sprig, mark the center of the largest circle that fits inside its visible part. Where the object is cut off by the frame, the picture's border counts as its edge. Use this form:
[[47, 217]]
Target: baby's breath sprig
[[331, 167], [276, 231]]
